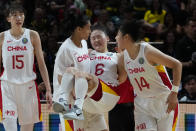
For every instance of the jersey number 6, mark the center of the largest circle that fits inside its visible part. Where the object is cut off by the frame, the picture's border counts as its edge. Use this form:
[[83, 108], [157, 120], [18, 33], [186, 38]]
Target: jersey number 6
[[17, 61], [99, 69]]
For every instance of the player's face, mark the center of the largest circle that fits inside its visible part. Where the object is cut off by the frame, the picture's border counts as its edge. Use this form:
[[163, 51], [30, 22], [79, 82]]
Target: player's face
[[85, 31], [120, 40], [16, 19], [99, 41]]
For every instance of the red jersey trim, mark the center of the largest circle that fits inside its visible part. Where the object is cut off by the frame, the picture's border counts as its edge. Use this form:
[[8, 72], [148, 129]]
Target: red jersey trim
[[98, 93]]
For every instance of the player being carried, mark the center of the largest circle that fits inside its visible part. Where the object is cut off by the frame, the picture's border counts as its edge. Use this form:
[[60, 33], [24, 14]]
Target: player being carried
[[73, 52]]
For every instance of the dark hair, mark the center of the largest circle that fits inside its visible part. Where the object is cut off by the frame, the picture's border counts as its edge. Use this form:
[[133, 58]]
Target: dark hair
[[14, 8], [99, 27], [74, 19], [134, 28], [159, 9], [189, 78]]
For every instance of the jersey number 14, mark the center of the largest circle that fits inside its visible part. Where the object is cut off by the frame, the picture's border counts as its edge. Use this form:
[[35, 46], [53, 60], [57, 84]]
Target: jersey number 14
[[142, 83]]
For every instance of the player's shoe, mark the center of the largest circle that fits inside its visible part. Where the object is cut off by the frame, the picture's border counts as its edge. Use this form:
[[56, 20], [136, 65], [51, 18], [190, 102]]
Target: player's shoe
[[61, 106], [74, 114]]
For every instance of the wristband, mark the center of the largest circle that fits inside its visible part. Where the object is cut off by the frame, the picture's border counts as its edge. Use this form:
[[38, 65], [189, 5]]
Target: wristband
[[175, 88]]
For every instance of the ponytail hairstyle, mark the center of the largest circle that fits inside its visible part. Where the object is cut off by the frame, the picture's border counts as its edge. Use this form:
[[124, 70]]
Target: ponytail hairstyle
[[74, 19]]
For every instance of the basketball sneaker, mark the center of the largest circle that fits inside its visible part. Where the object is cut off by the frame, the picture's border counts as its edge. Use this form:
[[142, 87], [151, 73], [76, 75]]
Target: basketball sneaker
[[74, 114], [61, 106]]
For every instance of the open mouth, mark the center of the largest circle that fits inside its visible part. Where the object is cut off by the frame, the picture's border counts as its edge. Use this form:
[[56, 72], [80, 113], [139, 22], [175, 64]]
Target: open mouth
[[18, 23]]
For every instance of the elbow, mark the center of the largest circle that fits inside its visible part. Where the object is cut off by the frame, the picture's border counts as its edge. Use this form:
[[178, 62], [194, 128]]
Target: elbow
[[178, 65]]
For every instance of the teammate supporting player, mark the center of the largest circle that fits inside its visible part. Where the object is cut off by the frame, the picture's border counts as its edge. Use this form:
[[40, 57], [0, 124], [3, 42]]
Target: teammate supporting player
[[105, 65], [72, 53], [155, 102], [18, 90]]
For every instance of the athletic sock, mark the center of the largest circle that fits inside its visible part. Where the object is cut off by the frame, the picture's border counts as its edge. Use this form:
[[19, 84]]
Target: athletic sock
[[81, 87]]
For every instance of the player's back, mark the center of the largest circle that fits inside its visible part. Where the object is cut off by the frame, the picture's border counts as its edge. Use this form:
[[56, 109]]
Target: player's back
[[147, 80], [18, 58]]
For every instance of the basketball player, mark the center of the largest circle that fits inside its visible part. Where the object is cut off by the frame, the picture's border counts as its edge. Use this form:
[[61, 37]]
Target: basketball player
[[155, 102], [18, 90], [100, 99], [105, 66], [72, 53]]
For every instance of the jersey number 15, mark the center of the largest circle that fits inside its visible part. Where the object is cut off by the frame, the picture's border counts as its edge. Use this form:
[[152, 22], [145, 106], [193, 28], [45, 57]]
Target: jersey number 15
[[17, 62]]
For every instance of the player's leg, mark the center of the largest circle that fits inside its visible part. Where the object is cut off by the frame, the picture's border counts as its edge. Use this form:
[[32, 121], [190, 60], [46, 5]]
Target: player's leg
[[97, 123], [8, 108], [81, 87], [29, 107], [92, 122], [27, 127], [165, 124], [67, 83], [144, 122], [121, 117]]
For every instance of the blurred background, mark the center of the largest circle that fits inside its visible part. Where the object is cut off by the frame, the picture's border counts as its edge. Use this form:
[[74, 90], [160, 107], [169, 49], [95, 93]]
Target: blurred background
[[172, 29]]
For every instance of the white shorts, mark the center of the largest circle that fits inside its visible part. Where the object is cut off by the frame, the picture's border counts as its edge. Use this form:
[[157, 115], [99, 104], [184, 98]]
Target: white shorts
[[108, 99], [91, 122], [20, 100], [150, 114]]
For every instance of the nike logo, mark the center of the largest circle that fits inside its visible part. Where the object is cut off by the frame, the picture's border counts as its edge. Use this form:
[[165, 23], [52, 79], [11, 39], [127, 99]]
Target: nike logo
[[8, 41], [128, 62]]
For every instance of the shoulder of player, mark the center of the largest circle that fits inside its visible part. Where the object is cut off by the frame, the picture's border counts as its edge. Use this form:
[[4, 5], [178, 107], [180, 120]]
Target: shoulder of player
[[33, 34], [1, 37], [150, 50], [120, 55]]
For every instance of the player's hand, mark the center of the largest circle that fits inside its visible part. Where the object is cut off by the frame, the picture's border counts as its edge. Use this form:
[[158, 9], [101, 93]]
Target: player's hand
[[49, 99], [172, 101], [71, 70]]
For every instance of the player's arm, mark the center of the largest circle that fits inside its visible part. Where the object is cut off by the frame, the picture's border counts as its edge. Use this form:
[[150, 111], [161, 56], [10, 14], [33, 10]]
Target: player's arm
[[63, 61], [36, 42], [1, 43], [122, 74], [155, 57]]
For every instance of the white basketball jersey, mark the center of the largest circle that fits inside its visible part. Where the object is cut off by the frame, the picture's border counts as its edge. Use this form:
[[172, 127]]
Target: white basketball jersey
[[147, 80], [69, 55], [104, 66], [18, 58]]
